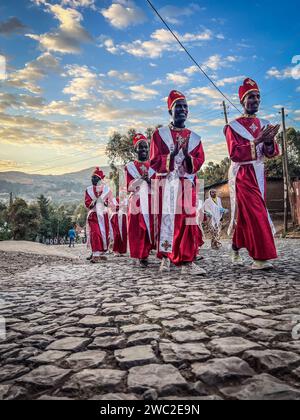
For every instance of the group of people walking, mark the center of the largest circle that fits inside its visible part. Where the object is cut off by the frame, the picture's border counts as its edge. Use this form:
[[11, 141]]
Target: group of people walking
[[161, 211]]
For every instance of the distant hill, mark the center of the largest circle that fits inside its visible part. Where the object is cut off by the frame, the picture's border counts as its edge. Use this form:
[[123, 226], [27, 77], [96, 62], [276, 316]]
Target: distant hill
[[59, 188]]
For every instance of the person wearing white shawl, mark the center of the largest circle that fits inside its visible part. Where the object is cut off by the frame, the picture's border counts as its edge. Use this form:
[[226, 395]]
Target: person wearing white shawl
[[214, 212]]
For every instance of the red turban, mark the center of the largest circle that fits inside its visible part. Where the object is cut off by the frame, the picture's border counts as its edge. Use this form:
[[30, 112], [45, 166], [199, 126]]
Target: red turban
[[174, 97], [138, 138], [248, 87], [97, 172]]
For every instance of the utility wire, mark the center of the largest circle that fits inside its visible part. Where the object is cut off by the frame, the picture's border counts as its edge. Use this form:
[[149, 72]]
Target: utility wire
[[190, 55]]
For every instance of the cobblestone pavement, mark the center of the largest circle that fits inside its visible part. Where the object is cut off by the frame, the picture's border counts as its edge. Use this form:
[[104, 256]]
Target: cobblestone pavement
[[114, 331]]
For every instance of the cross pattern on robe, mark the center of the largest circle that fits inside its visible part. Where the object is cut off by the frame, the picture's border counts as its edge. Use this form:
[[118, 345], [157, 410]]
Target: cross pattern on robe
[[144, 169], [181, 140], [253, 127], [166, 245]]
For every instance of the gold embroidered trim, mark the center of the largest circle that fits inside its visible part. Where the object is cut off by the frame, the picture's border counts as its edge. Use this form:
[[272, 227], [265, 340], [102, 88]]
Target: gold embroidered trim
[[249, 116], [172, 127], [253, 150], [168, 163]]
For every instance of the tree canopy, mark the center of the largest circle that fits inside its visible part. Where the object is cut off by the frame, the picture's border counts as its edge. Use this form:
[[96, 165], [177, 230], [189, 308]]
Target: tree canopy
[[120, 151]]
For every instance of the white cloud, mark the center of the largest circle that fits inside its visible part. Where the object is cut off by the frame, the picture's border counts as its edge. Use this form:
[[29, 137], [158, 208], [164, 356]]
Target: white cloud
[[191, 70], [141, 93], [124, 13], [23, 130], [86, 85], [157, 82], [269, 116], [70, 34], [2, 67], [177, 79], [230, 80], [8, 165], [83, 85], [110, 46], [79, 3], [160, 41], [20, 101], [218, 122], [111, 94], [216, 62], [59, 108], [196, 101], [33, 72], [123, 76], [207, 92], [217, 151], [287, 73], [213, 63], [103, 112], [174, 15]]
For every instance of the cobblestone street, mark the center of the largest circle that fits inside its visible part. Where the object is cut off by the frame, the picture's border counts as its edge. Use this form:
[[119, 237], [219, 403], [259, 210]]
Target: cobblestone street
[[114, 331]]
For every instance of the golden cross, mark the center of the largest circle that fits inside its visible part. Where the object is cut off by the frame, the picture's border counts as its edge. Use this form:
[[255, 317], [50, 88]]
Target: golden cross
[[166, 245], [181, 140]]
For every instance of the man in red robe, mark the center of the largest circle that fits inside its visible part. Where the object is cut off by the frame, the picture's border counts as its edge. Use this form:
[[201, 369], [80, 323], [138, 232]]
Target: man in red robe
[[176, 155], [250, 140], [140, 220], [97, 198], [118, 223]]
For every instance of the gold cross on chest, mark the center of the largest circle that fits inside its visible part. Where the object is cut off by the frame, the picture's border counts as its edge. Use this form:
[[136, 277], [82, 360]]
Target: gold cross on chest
[[181, 140]]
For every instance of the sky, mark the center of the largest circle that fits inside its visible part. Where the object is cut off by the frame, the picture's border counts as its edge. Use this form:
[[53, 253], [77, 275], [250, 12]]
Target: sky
[[72, 72]]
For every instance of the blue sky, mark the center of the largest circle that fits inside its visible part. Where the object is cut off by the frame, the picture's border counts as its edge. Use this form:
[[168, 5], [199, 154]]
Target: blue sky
[[74, 71]]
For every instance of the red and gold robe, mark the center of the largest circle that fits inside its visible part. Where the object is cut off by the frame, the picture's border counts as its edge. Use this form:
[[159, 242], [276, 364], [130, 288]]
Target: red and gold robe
[[140, 219], [118, 223], [179, 236], [98, 221], [254, 229]]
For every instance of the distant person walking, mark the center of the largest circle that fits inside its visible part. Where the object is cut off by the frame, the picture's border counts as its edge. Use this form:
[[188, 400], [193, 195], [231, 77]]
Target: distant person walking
[[72, 237]]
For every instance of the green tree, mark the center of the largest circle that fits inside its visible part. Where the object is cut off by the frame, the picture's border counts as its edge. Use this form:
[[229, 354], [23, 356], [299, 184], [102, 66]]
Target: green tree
[[43, 204], [80, 215], [120, 151], [45, 210], [274, 166], [24, 220], [5, 232], [214, 173], [60, 221]]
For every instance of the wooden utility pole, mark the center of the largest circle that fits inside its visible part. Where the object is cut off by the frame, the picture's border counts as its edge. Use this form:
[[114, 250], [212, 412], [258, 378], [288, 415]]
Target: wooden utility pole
[[225, 108], [286, 165], [11, 199]]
